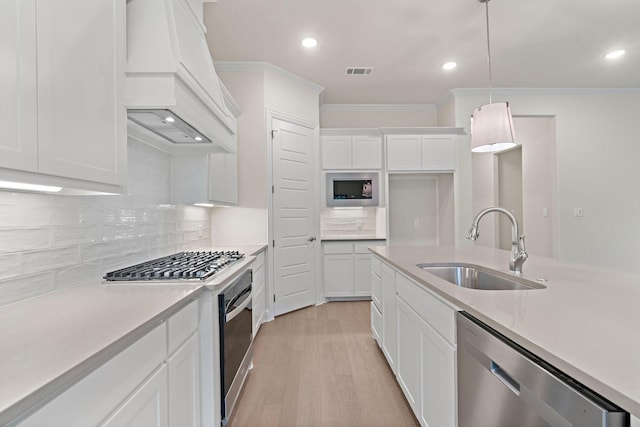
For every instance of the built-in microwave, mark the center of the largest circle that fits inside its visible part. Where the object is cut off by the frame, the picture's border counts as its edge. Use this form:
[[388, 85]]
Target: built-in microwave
[[353, 189]]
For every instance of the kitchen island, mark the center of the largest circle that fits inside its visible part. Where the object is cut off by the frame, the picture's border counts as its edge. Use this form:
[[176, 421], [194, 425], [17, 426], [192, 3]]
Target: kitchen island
[[581, 323]]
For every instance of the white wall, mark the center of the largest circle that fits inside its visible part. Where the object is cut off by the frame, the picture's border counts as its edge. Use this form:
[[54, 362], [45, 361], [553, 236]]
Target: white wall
[[375, 116], [596, 154], [51, 242], [258, 88]]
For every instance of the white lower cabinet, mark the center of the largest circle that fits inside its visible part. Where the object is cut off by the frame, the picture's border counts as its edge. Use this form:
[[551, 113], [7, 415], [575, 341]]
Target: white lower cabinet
[[347, 268], [184, 385], [258, 296], [147, 406], [408, 371], [419, 343], [153, 382]]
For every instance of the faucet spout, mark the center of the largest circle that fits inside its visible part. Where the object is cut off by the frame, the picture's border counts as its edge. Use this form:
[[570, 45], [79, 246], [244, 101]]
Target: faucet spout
[[518, 253]]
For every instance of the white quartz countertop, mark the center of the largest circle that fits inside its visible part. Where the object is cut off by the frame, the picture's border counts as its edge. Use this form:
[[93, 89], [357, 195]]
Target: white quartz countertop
[[50, 342], [583, 322]]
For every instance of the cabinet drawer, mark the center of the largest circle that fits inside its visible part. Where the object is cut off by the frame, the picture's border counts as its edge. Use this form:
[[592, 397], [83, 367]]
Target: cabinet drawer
[[436, 313], [181, 325], [258, 280], [363, 247], [337, 248], [258, 263]]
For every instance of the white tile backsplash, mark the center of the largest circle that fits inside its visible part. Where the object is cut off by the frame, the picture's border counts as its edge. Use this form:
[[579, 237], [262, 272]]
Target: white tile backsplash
[[356, 222], [51, 242]]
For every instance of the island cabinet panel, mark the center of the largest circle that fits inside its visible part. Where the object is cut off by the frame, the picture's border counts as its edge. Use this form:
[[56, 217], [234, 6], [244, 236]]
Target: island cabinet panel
[[419, 343], [389, 319]]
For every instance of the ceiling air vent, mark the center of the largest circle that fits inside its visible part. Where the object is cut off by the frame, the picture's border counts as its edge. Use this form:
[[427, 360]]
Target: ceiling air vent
[[359, 71]]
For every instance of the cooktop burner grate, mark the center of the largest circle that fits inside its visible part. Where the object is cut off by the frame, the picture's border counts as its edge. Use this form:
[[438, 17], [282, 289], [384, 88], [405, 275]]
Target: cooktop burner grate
[[180, 266]]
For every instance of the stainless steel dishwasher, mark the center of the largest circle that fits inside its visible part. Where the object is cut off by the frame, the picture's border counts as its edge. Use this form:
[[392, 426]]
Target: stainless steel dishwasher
[[500, 384]]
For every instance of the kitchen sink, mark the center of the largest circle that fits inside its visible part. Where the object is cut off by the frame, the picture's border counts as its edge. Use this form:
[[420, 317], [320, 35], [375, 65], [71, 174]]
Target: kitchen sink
[[476, 277]]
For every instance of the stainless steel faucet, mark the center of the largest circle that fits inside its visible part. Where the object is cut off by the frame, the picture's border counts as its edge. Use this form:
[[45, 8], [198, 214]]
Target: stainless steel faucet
[[518, 254]]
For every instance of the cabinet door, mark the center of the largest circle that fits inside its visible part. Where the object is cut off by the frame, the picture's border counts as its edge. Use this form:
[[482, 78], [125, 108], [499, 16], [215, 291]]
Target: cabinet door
[[403, 152], [336, 152], [18, 145], [184, 385], [389, 318], [366, 152], [146, 407], [338, 275], [376, 289], [362, 275], [408, 372], [81, 113], [223, 178], [438, 153], [438, 379]]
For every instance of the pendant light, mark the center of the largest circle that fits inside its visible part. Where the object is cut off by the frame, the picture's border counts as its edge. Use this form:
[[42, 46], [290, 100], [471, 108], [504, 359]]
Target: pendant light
[[491, 124]]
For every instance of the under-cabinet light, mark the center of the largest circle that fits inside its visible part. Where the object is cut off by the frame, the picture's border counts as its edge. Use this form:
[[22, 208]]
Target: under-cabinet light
[[204, 205], [9, 185]]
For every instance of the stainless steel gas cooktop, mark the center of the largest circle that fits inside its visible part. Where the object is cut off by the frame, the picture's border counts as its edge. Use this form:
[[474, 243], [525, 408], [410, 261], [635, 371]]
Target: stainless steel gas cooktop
[[180, 266]]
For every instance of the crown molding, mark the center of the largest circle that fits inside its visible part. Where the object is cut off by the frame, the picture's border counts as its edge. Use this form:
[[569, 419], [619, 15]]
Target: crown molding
[[517, 91], [265, 67]]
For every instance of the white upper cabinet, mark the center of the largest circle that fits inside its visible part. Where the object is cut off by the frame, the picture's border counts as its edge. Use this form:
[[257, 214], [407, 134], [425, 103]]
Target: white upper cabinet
[[74, 68], [351, 151], [421, 152], [204, 178], [18, 147]]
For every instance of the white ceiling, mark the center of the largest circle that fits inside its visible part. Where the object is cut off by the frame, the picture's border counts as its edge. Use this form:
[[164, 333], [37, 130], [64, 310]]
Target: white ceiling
[[534, 44]]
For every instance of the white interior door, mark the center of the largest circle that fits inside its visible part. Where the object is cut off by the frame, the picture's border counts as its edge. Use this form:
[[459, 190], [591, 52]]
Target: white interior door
[[293, 215]]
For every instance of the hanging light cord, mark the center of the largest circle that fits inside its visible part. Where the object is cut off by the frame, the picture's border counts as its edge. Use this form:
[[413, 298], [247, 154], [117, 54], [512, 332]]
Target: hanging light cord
[[486, 4]]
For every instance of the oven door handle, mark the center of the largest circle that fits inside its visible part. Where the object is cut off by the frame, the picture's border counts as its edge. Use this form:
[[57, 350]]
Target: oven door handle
[[238, 309]]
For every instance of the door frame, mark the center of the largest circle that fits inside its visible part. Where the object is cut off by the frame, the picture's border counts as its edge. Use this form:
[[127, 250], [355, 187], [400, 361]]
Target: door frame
[[317, 255]]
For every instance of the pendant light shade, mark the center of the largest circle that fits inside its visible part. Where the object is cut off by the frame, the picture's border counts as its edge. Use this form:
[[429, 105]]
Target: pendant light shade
[[491, 124], [492, 128]]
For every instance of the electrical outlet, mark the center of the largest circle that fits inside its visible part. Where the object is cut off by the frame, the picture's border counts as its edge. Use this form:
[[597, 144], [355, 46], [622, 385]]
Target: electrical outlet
[[359, 224], [577, 212], [416, 223], [545, 212]]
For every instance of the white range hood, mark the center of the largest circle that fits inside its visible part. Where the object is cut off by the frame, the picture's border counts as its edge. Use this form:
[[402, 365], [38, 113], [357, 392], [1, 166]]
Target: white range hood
[[171, 86]]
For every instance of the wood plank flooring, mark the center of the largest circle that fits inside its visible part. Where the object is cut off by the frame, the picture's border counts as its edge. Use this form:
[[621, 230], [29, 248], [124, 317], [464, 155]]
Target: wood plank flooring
[[320, 366]]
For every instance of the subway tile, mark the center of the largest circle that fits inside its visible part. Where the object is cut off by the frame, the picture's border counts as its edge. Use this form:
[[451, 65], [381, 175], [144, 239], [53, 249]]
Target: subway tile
[[49, 259], [10, 265], [24, 239], [17, 289]]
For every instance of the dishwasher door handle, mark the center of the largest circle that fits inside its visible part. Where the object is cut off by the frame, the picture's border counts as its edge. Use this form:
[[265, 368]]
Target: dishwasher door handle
[[505, 378]]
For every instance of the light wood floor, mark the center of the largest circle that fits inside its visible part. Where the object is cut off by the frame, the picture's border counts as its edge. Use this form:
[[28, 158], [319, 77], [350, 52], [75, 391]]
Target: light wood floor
[[320, 366]]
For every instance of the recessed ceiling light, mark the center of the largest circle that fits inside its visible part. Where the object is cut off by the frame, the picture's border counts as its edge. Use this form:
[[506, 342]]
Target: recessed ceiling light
[[615, 54], [170, 119], [198, 138], [449, 65], [309, 42]]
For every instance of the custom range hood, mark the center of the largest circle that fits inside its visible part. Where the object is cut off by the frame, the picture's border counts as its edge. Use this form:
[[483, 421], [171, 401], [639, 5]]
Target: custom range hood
[[171, 86]]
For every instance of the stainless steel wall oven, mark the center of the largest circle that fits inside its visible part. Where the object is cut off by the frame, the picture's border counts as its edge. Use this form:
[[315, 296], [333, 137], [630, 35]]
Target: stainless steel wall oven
[[236, 339]]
